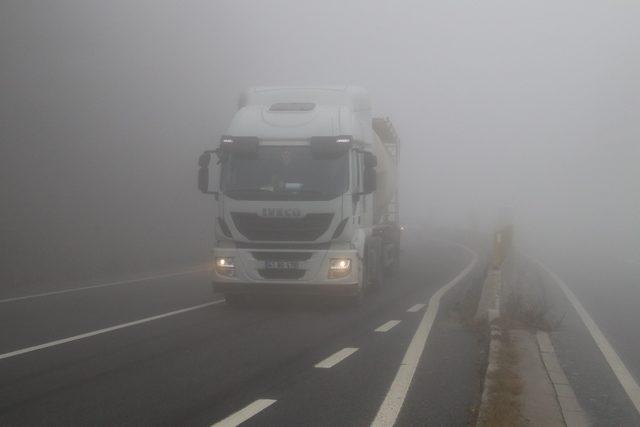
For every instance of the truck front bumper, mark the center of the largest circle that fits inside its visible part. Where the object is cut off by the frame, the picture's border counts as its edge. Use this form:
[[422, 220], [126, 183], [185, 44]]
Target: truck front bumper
[[311, 276], [286, 288]]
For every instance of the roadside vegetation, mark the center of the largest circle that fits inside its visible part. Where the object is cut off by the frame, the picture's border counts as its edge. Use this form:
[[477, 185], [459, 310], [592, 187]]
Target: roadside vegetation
[[503, 406]]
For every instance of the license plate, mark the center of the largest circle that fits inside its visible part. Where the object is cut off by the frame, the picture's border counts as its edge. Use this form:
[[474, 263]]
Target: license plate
[[281, 265]]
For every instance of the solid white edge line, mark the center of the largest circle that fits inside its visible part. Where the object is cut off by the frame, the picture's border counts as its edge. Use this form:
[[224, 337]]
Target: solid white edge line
[[336, 358], [393, 401], [104, 331], [415, 308], [102, 285], [387, 326], [618, 367], [245, 413]]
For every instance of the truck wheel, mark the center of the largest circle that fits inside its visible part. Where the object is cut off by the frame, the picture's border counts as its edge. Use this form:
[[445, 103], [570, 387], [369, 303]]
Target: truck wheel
[[394, 268], [356, 299], [380, 276], [375, 268]]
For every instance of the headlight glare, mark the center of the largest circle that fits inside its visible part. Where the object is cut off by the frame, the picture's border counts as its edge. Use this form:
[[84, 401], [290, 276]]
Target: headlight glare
[[339, 267], [225, 266]]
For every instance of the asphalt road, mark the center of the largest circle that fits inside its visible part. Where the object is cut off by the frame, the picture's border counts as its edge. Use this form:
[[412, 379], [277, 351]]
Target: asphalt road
[[609, 290], [133, 358]]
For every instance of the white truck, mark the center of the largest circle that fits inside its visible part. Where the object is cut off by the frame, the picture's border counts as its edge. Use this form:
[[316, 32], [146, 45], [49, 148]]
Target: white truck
[[305, 183]]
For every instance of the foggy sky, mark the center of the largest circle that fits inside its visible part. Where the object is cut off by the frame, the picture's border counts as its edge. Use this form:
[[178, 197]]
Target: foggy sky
[[509, 111]]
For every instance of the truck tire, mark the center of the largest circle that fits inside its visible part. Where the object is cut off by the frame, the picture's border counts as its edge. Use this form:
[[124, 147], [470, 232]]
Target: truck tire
[[394, 268], [356, 299], [376, 266]]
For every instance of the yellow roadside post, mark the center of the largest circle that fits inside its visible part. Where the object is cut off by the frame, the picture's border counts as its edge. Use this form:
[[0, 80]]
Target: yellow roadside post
[[501, 244]]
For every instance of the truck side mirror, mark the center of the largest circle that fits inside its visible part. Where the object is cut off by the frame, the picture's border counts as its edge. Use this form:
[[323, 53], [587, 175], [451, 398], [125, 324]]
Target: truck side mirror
[[203, 173], [204, 159], [369, 182], [370, 160]]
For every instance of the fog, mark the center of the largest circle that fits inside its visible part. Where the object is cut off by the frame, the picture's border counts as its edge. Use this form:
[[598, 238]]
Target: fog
[[509, 112]]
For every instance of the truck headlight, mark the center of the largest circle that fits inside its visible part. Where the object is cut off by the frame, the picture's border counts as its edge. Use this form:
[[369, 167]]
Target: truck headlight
[[224, 266], [339, 267]]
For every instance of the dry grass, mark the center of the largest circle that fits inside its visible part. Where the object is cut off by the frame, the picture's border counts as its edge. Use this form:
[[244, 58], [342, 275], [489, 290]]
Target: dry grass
[[529, 315], [527, 302], [503, 405]]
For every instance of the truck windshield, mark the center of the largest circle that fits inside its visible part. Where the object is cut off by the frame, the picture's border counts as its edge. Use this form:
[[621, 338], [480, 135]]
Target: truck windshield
[[285, 173]]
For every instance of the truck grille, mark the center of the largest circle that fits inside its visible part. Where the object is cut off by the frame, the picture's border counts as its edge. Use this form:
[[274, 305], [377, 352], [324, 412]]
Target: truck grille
[[305, 229], [282, 256]]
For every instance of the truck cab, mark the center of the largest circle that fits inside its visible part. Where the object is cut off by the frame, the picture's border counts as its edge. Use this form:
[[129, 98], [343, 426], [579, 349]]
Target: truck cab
[[299, 188]]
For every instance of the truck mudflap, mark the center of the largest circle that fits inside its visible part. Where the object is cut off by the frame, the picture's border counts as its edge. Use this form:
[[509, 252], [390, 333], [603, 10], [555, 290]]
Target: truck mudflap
[[270, 288]]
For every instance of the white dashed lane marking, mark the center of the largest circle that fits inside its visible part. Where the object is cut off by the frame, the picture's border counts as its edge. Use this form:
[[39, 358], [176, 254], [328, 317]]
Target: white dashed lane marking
[[336, 358], [245, 413], [387, 326], [416, 307]]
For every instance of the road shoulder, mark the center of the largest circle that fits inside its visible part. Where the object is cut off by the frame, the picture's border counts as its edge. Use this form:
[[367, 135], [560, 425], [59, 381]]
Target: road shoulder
[[524, 383]]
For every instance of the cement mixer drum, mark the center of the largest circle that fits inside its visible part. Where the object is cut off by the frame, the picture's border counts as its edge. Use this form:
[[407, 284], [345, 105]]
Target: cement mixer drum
[[386, 148]]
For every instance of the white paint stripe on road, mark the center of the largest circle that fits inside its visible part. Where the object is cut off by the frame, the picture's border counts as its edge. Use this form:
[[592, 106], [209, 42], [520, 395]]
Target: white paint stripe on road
[[104, 331], [336, 358], [103, 285], [393, 401], [617, 366], [416, 307], [245, 413], [387, 326]]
